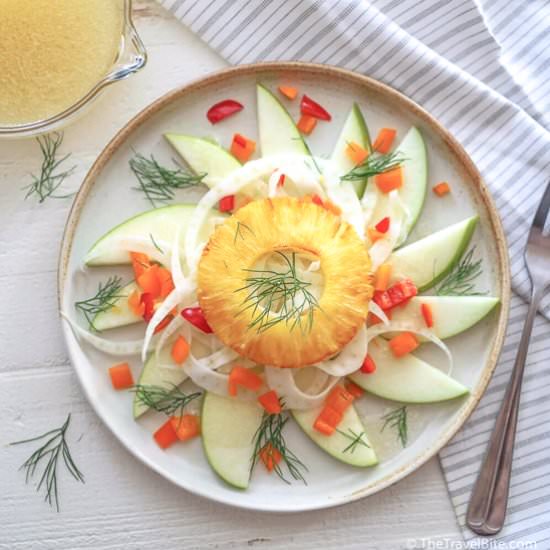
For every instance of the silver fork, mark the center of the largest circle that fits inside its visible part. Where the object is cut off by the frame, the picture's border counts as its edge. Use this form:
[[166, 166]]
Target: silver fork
[[489, 499]]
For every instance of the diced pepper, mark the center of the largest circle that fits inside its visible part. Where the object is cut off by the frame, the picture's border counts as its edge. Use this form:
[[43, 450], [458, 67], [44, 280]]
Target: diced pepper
[[281, 181], [180, 350], [227, 204], [186, 426], [390, 180], [289, 91], [166, 283], [121, 376], [403, 343], [368, 366], [135, 303], [384, 140], [427, 313], [242, 148], [149, 281], [270, 402], [395, 295], [354, 389], [240, 376], [312, 108], [306, 124], [270, 456], [382, 277], [163, 324], [339, 399], [166, 436], [356, 153], [195, 316], [383, 225], [140, 262], [374, 235], [148, 306], [441, 189], [317, 200], [223, 109], [327, 417]]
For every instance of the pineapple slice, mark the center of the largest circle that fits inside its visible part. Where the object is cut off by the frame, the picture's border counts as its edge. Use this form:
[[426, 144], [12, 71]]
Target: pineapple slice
[[298, 335]]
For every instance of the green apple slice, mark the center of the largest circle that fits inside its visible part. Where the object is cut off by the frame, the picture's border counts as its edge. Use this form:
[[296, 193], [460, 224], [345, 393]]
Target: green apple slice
[[428, 260], [120, 314], [406, 379], [278, 133], [355, 130], [337, 445], [153, 374], [161, 223], [204, 157], [415, 181], [228, 427], [451, 314]]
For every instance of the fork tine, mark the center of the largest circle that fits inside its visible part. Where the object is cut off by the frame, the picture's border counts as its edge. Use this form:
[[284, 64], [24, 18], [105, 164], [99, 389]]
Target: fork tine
[[542, 211]]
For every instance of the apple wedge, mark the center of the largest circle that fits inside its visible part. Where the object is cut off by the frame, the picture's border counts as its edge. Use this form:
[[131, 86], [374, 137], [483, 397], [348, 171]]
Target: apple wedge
[[120, 314], [278, 133], [406, 379], [204, 157], [153, 374], [428, 260], [415, 181], [161, 223], [451, 314], [338, 445], [228, 427], [354, 131]]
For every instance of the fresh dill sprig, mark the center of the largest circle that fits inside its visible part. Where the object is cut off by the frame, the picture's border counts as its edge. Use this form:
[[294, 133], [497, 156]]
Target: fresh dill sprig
[[460, 281], [355, 438], [277, 297], [49, 180], [105, 298], [270, 432], [55, 447], [164, 400], [159, 183], [155, 244], [239, 233], [397, 419], [373, 165]]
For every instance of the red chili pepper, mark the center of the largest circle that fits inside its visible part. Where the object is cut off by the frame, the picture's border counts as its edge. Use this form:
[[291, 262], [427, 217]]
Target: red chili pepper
[[317, 200], [312, 108], [383, 225], [396, 295], [223, 109], [368, 366], [240, 140], [281, 181], [227, 204], [196, 317], [149, 306]]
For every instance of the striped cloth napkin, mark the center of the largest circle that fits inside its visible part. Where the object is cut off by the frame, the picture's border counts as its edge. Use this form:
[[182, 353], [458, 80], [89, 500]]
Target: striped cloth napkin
[[482, 67]]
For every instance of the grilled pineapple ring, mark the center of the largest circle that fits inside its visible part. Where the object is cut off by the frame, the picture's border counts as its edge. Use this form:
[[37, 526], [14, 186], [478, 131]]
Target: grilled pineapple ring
[[286, 224]]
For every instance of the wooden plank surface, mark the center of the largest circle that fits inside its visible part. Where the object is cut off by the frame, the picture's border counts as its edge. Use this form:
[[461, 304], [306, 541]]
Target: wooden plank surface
[[123, 504]]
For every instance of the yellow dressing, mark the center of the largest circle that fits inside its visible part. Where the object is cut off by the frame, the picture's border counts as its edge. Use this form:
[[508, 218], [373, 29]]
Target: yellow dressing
[[52, 53]]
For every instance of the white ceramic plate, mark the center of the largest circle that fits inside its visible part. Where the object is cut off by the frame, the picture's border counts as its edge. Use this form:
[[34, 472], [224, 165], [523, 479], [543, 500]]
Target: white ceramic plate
[[107, 197]]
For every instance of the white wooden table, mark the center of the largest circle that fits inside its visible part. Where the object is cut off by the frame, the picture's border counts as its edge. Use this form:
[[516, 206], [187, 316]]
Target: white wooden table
[[123, 504]]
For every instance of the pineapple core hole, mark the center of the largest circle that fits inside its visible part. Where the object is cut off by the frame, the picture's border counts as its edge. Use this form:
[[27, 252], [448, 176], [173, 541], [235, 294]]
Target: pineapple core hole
[[287, 280]]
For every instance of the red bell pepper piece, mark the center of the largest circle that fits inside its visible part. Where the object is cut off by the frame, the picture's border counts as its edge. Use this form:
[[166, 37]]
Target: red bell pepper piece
[[223, 109], [148, 306], [383, 225], [396, 295], [195, 316], [312, 108], [227, 204]]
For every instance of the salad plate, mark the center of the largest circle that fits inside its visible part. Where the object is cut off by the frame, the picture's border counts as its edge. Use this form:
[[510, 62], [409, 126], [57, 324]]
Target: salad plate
[[274, 246]]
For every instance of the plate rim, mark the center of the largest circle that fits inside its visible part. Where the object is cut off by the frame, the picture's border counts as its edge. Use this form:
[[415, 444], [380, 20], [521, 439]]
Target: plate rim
[[478, 187]]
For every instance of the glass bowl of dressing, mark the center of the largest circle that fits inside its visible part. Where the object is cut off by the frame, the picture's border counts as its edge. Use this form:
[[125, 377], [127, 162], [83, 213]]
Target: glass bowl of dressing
[[56, 57]]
